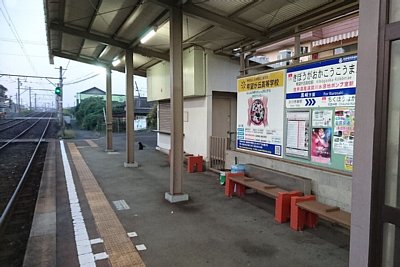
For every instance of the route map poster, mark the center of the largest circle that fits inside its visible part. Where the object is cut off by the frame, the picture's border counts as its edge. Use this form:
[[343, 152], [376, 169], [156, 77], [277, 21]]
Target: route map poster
[[328, 83], [260, 105]]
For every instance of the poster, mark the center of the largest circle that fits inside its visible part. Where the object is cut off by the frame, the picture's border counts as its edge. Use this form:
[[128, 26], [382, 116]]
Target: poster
[[297, 138], [322, 118], [321, 145], [260, 104], [328, 83], [343, 138], [348, 163]]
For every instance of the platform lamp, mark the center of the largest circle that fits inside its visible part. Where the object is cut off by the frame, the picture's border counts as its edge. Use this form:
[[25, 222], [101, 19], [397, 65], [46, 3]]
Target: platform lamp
[[148, 35], [116, 62]]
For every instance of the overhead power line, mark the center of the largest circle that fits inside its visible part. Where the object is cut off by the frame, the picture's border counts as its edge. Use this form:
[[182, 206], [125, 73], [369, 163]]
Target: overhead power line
[[82, 80], [13, 29]]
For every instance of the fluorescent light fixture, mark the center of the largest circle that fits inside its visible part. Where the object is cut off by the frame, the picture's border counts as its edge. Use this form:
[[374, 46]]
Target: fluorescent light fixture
[[103, 52], [116, 62], [148, 35]]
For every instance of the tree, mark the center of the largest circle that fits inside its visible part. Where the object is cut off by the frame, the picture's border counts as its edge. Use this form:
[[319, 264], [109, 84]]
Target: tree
[[152, 118], [89, 113]]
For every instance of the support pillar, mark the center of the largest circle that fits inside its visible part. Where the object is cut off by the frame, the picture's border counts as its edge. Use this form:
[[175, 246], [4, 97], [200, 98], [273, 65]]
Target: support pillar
[[176, 80], [242, 64], [130, 135], [109, 124], [297, 48]]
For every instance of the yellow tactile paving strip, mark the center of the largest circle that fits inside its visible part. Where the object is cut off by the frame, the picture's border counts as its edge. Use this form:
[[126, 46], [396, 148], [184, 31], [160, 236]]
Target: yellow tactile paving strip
[[116, 242], [91, 143]]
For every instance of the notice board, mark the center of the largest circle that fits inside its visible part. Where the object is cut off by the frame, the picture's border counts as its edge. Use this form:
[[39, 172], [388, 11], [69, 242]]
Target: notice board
[[260, 116], [324, 92]]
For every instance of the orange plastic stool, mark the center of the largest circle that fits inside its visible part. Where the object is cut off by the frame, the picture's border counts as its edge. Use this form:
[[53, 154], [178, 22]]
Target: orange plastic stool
[[282, 205], [298, 216]]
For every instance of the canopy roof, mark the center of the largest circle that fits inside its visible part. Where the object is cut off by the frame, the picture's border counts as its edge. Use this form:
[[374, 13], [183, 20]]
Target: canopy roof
[[98, 31]]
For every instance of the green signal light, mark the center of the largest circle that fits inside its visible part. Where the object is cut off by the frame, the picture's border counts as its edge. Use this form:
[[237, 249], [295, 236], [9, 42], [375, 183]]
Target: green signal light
[[58, 90]]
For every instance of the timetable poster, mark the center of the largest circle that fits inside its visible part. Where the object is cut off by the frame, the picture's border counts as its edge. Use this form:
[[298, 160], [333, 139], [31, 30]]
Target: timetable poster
[[297, 139]]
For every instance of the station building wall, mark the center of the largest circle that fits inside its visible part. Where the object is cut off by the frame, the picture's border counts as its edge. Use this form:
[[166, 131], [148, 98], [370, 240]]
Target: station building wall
[[203, 73]]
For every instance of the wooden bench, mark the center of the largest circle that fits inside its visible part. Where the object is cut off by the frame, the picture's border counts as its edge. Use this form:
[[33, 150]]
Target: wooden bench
[[242, 182], [282, 196], [305, 211]]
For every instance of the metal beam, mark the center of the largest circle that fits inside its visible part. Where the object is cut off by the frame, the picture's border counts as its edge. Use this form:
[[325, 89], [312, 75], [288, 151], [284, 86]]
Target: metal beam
[[221, 21], [312, 20], [213, 18], [108, 41], [244, 9], [88, 35], [96, 62], [316, 16], [94, 15], [150, 53]]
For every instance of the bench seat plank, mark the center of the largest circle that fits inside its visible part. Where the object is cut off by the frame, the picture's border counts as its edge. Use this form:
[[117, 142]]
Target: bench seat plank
[[262, 188], [327, 212]]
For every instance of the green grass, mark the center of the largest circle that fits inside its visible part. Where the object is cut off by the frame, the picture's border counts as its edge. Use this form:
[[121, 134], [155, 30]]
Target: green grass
[[69, 134]]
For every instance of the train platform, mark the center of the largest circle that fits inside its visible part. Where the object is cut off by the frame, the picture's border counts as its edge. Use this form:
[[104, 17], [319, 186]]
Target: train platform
[[92, 211]]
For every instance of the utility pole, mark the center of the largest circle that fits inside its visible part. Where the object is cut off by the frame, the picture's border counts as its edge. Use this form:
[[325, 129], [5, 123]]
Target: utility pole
[[35, 102], [19, 99], [60, 102], [30, 99]]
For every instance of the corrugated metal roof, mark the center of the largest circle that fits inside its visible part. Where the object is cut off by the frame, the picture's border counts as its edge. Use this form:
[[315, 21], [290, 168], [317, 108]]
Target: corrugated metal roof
[[98, 31]]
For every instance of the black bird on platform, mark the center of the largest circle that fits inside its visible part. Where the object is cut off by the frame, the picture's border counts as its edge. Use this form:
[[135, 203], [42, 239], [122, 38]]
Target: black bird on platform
[[141, 146]]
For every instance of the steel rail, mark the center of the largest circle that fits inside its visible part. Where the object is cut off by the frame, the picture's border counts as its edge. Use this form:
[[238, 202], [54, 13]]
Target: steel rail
[[10, 126], [13, 120], [22, 133], [11, 202], [7, 122]]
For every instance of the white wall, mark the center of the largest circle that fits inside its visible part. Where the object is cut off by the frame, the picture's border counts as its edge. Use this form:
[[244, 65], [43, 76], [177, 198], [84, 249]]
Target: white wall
[[221, 73], [195, 126], [158, 82], [220, 76], [163, 142]]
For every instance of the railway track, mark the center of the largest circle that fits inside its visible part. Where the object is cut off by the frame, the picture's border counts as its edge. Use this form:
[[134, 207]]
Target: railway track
[[22, 156]]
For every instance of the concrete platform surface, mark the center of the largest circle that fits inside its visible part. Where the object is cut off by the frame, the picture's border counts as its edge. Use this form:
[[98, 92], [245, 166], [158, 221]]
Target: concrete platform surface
[[208, 230]]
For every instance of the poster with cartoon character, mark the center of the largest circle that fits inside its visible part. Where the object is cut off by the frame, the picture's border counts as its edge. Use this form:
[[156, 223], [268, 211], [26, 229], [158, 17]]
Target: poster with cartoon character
[[321, 145], [260, 106]]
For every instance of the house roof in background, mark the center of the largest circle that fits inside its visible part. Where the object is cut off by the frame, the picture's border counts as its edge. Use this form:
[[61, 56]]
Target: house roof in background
[[93, 91]]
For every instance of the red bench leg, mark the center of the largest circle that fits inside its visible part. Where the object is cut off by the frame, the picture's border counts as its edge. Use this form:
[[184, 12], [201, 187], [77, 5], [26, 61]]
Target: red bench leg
[[240, 190], [282, 205], [311, 219], [195, 163], [229, 185], [297, 215]]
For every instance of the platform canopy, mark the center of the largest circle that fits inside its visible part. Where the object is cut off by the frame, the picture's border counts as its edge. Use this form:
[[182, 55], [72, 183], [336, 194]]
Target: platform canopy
[[98, 31]]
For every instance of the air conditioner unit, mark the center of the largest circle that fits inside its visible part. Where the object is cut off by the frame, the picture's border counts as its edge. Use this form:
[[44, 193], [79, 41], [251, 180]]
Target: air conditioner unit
[[282, 55]]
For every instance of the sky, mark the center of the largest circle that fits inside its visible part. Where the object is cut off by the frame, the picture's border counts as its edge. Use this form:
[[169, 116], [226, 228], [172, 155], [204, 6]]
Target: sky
[[24, 51]]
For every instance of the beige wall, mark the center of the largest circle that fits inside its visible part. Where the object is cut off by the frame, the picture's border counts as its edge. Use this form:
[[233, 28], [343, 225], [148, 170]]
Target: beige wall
[[158, 83]]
